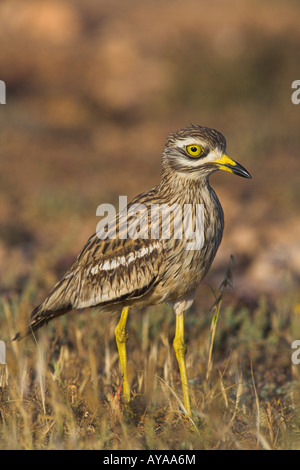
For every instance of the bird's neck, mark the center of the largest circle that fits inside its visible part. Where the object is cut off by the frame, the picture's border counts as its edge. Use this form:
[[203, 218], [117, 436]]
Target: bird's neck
[[185, 189]]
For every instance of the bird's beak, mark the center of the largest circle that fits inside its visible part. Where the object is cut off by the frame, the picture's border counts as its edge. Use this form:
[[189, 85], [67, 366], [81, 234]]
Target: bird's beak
[[227, 164]]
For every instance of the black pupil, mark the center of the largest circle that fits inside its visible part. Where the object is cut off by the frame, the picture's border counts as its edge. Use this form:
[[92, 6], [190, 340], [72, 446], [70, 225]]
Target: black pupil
[[194, 149]]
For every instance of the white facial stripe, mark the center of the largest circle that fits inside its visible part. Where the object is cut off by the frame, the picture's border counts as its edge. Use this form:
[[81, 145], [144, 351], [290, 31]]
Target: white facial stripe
[[212, 156], [188, 141]]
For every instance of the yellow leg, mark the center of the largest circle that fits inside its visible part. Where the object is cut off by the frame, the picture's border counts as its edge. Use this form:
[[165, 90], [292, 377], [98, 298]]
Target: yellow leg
[[180, 350], [121, 339]]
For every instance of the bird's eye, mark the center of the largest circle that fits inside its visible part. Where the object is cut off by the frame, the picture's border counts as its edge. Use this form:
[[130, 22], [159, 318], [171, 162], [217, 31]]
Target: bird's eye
[[194, 150]]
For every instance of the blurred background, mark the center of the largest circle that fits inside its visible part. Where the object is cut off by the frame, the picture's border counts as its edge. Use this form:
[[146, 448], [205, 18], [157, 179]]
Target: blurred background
[[93, 89]]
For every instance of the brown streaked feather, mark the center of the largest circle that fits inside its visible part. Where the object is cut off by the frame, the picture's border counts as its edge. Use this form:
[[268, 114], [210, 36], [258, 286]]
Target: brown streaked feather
[[124, 273], [100, 280]]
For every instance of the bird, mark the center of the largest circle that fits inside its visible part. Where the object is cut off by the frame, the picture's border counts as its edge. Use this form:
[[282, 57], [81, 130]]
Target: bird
[[155, 250]]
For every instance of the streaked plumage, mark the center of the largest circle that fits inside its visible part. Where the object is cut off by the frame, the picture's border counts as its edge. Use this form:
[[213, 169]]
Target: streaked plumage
[[129, 272]]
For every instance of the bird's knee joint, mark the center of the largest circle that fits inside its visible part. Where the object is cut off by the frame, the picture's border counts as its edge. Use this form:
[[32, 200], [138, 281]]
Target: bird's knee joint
[[121, 335], [179, 346]]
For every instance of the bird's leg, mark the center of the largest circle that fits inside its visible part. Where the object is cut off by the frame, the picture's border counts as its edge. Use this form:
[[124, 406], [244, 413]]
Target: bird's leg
[[121, 339], [180, 350]]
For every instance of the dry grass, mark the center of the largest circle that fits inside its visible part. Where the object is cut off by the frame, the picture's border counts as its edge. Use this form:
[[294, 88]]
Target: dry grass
[[62, 389]]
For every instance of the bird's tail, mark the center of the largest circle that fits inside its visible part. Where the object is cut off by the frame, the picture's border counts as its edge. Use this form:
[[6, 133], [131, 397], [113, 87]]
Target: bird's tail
[[57, 303]]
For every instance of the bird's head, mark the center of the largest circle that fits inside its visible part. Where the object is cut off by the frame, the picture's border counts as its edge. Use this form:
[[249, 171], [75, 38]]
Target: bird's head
[[198, 151]]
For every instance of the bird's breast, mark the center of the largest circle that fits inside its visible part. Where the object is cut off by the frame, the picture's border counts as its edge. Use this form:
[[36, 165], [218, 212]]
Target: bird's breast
[[188, 258]]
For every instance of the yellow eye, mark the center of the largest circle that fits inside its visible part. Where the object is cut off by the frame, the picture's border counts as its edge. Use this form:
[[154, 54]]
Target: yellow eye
[[194, 150]]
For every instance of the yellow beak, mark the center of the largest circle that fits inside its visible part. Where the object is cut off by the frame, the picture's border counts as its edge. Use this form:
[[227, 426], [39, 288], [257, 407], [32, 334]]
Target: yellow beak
[[227, 164]]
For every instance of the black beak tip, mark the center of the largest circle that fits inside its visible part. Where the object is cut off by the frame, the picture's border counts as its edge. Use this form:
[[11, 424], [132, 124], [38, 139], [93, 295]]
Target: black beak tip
[[247, 175], [241, 171]]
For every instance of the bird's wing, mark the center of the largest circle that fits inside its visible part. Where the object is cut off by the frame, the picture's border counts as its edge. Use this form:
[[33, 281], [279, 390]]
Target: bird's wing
[[122, 266], [105, 272], [111, 271]]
